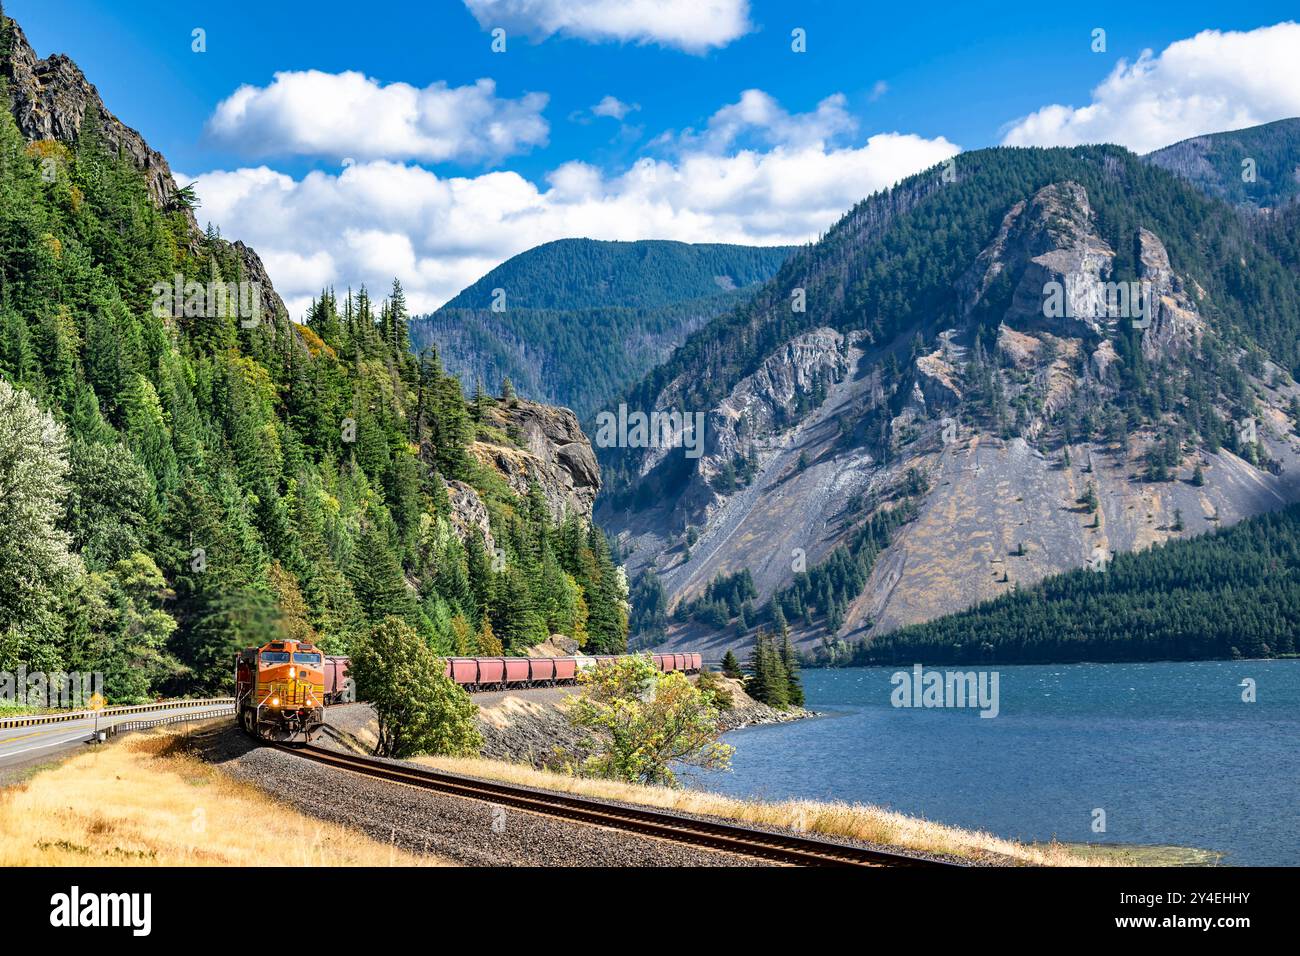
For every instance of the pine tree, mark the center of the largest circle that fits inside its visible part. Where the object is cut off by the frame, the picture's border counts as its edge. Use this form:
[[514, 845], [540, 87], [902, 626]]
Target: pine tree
[[790, 662], [731, 666]]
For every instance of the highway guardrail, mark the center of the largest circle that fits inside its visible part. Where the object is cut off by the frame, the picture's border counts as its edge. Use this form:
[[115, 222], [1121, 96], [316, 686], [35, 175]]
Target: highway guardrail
[[33, 720]]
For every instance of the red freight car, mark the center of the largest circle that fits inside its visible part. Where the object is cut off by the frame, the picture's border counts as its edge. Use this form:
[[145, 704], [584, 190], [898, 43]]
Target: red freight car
[[566, 669], [492, 671], [516, 670], [541, 670]]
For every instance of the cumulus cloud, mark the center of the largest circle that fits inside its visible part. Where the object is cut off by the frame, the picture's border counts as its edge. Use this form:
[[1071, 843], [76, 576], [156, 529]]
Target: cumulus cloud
[[349, 114], [1210, 82], [613, 107], [691, 25], [758, 114], [379, 219]]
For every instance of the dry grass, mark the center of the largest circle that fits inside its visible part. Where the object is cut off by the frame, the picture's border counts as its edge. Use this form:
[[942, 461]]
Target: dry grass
[[142, 802], [844, 820]]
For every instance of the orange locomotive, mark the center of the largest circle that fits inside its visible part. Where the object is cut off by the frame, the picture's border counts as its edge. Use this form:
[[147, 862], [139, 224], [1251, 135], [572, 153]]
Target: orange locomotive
[[280, 691]]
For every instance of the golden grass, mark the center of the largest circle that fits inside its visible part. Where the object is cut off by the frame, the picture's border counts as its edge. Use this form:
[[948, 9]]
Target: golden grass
[[853, 821], [141, 802]]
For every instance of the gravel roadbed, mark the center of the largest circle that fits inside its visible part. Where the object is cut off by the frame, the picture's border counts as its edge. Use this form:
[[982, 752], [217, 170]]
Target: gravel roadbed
[[340, 717], [467, 831]]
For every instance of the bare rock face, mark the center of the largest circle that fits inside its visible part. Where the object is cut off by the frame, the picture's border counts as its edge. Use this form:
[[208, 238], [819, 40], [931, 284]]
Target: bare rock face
[[52, 99], [554, 452], [1049, 241], [469, 514], [1175, 324], [939, 380]]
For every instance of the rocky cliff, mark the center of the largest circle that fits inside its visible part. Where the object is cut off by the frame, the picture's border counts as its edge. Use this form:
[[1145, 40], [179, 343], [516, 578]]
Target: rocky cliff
[[51, 99], [996, 429]]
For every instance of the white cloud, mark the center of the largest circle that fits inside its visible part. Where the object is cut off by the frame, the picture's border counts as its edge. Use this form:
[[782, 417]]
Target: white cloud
[[758, 114], [379, 219], [691, 25], [349, 114], [613, 107], [1210, 82]]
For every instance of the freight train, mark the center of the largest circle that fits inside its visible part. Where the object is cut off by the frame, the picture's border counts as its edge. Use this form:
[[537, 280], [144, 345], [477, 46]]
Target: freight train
[[281, 688], [280, 691]]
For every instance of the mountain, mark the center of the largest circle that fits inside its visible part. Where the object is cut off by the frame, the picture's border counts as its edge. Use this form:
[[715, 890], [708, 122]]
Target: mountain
[[1231, 593], [185, 471], [579, 320], [1057, 356], [1258, 167]]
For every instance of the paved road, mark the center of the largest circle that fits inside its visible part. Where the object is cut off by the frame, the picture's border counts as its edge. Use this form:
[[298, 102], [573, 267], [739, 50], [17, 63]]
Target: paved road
[[25, 745]]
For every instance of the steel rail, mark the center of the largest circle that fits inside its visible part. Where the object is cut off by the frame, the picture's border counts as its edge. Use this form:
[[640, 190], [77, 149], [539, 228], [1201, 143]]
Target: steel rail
[[784, 848]]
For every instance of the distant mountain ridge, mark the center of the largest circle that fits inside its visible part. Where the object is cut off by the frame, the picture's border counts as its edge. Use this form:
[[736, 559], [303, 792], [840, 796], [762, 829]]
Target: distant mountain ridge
[[578, 320], [1258, 167]]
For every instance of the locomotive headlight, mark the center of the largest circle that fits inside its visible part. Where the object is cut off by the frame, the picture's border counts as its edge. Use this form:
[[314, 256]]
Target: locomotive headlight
[[275, 701], [292, 673]]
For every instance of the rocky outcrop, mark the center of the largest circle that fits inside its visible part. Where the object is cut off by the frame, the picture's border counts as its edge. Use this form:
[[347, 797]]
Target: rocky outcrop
[[831, 434], [1049, 249], [469, 514], [548, 448], [1174, 324], [51, 100]]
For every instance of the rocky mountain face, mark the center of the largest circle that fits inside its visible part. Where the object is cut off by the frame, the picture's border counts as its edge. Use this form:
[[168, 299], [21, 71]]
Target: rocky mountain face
[[999, 424], [52, 100]]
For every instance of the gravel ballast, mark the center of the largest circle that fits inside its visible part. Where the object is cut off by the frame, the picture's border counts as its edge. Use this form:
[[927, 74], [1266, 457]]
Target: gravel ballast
[[468, 831]]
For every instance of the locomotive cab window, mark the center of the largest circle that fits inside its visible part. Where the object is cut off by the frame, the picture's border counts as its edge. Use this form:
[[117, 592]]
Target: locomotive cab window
[[275, 657], [313, 659]]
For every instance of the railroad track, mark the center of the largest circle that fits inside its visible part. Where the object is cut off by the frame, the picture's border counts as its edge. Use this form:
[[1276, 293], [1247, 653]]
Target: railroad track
[[733, 838]]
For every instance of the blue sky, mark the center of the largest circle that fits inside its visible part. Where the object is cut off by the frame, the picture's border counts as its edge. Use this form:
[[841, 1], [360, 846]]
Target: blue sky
[[339, 194]]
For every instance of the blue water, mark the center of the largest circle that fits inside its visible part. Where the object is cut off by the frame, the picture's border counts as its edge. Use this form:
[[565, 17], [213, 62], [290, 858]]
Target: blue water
[[1169, 751]]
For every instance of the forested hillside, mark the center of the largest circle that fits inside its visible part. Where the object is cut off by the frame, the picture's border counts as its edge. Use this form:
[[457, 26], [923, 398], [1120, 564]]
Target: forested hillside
[[1253, 167], [577, 320], [1229, 594], [186, 475]]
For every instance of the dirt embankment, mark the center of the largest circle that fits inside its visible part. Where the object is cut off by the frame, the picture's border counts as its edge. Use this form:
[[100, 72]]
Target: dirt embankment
[[530, 726]]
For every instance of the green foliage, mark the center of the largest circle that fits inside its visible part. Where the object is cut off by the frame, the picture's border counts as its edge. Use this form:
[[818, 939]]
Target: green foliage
[[710, 683], [769, 681], [641, 721], [420, 710], [287, 478], [731, 666], [1214, 163], [1191, 599], [37, 569]]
